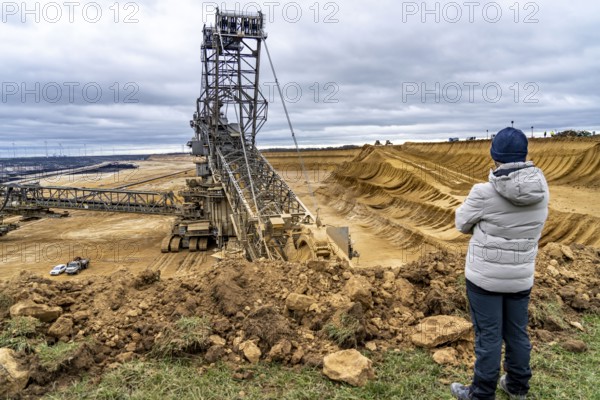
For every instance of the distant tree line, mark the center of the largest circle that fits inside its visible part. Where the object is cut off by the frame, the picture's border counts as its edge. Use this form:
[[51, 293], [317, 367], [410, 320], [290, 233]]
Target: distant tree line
[[573, 133]]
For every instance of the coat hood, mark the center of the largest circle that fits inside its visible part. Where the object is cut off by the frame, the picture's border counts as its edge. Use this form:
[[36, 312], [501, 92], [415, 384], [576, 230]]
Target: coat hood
[[521, 183]]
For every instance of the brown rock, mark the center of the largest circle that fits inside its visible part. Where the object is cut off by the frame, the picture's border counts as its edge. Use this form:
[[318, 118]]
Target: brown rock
[[37, 298], [146, 278], [317, 265], [251, 351], [446, 356], [434, 331], [217, 340], [281, 350], [581, 302], [348, 366], [440, 267], [62, 327], [116, 297], [297, 356], [65, 301], [359, 289], [567, 293], [28, 308], [577, 325], [229, 295], [81, 315], [575, 346], [405, 292], [389, 276], [371, 346], [125, 357], [241, 376], [214, 353], [544, 335], [133, 313], [552, 271], [567, 252], [13, 376], [553, 250], [378, 323], [299, 302]]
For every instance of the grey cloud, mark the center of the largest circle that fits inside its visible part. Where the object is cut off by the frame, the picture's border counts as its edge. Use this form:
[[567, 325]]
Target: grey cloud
[[371, 55]]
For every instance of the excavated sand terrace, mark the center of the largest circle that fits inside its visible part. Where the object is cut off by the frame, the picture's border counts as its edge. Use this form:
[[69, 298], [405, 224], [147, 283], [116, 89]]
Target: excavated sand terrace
[[399, 201]]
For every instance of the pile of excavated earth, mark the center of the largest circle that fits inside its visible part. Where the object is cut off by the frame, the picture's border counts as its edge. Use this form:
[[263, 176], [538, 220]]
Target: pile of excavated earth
[[314, 313]]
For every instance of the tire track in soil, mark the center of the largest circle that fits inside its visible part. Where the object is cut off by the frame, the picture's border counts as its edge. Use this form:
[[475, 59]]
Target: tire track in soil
[[163, 261]]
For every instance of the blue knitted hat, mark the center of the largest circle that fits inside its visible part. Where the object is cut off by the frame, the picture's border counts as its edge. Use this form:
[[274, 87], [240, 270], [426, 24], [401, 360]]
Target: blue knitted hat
[[509, 145]]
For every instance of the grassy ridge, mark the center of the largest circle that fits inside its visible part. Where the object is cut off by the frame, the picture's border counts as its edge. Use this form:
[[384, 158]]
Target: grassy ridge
[[400, 375]]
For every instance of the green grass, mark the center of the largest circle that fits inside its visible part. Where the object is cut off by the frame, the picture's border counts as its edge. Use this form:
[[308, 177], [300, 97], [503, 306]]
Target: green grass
[[5, 302], [188, 335], [461, 307], [344, 331], [20, 334], [548, 311], [559, 374], [400, 375], [52, 358]]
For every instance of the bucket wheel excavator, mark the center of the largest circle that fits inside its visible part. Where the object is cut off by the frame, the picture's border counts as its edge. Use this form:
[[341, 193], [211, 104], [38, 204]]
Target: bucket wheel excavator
[[237, 200], [250, 201]]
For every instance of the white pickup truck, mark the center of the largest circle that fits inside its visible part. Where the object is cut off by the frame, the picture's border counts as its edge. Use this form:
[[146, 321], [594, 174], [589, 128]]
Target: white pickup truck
[[78, 264]]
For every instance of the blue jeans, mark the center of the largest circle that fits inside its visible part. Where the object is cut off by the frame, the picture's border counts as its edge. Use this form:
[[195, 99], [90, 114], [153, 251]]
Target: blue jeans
[[499, 317]]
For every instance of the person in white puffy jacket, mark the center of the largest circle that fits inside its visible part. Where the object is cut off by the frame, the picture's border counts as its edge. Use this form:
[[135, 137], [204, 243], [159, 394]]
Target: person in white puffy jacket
[[505, 217]]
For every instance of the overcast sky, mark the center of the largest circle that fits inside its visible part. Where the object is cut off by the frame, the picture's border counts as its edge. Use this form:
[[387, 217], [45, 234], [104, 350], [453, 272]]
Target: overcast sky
[[123, 76]]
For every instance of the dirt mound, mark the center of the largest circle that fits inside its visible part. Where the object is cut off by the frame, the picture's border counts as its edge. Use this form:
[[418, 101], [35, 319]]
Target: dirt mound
[[287, 312]]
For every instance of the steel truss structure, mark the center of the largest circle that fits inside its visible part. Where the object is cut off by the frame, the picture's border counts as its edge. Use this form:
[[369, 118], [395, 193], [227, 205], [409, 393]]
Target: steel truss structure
[[261, 203], [18, 198]]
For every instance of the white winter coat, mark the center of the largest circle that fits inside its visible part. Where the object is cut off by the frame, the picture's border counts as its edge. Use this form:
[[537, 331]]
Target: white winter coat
[[506, 216]]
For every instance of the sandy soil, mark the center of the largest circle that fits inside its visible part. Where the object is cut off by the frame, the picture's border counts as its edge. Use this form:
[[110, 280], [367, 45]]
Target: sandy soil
[[398, 201], [110, 240]]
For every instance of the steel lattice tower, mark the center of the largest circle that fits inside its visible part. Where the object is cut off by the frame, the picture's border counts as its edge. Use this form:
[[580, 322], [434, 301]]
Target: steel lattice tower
[[261, 202]]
